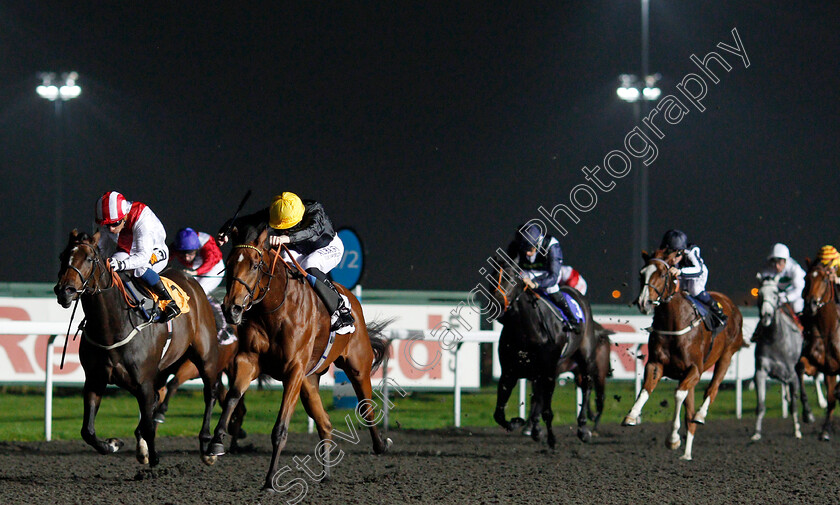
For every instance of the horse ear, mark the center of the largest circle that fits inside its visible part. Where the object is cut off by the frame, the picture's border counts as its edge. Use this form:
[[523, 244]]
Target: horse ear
[[645, 256], [73, 234], [95, 238], [807, 264], [262, 237]]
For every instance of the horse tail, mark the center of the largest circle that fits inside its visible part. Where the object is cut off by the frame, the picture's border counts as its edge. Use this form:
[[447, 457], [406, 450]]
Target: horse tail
[[378, 342]]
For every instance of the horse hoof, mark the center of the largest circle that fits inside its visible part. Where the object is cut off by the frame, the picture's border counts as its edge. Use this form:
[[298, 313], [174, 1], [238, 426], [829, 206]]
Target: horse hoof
[[825, 437], [673, 444], [808, 418], [629, 421], [798, 434], [584, 435], [159, 418], [388, 443], [756, 437], [114, 444], [526, 431], [685, 457], [516, 422], [216, 449], [208, 460], [699, 420]]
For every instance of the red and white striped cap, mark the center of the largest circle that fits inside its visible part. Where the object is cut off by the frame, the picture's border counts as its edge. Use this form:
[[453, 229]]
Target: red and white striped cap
[[111, 208]]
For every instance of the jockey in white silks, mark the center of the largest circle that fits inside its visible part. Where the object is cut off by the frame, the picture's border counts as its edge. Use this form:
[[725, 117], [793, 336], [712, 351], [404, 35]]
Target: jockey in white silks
[[789, 275], [135, 240]]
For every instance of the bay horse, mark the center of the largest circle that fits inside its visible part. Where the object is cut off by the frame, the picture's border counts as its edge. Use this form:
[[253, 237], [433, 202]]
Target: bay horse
[[534, 346], [113, 352], [680, 347], [821, 349], [284, 332], [778, 347]]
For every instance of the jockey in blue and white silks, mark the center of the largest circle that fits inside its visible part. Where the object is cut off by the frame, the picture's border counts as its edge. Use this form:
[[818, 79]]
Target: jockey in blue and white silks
[[541, 259], [691, 269]]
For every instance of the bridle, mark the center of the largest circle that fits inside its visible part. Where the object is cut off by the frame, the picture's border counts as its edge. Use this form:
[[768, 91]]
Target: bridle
[[97, 265], [828, 295], [508, 302], [263, 267], [664, 295]]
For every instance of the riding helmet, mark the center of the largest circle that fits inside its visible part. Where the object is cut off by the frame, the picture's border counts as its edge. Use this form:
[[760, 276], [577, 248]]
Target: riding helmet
[[286, 211], [111, 208], [530, 236], [187, 240], [779, 251], [674, 240]]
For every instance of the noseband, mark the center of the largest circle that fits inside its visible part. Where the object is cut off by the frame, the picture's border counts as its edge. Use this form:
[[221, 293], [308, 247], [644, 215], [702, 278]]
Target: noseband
[[828, 296], [665, 295]]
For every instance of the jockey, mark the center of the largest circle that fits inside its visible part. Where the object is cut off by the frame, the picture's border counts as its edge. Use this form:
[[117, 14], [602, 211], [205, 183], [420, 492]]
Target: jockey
[[829, 257], [135, 240], [307, 230], [691, 270], [541, 258], [572, 278], [201, 257], [790, 275]]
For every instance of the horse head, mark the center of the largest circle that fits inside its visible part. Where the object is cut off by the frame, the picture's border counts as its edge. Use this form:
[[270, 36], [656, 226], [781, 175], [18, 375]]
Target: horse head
[[819, 288], [247, 274], [657, 284], [80, 262], [768, 299], [506, 285]]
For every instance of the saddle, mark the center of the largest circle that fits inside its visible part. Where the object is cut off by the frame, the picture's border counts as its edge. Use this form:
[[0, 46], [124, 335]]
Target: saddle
[[146, 300], [710, 321]]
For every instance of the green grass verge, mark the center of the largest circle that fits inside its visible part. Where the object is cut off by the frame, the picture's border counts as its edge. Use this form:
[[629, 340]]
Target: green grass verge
[[22, 410]]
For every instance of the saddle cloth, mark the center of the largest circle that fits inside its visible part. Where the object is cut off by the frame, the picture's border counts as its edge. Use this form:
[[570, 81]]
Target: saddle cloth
[[573, 304], [709, 320], [141, 293]]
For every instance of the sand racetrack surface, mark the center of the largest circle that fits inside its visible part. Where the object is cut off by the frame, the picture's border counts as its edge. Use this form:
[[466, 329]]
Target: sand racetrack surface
[[621, 465]]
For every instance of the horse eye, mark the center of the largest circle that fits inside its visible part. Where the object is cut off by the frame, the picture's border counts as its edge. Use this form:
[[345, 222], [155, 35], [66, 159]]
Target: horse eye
[[256, 266]]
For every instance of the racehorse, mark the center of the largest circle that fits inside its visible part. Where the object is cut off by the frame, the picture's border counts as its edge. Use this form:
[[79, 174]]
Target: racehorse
[[778, 348], [284, 332], [821, 349], [119, 348], [680, 347], [188, 371], [534, 346]]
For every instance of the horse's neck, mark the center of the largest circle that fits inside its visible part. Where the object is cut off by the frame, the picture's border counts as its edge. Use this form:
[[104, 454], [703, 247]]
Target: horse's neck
[[105, 310], [287, 295], [827, 319]]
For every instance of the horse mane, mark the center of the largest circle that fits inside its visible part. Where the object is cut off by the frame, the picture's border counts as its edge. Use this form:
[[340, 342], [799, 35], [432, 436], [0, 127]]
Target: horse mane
[[248, 228]]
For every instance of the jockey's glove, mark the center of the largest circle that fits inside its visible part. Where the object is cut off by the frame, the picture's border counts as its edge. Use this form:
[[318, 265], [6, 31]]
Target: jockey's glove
[[118, 265]]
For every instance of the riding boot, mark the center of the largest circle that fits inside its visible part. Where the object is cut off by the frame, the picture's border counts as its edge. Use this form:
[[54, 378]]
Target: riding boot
[[340, 315], [171, 310], [571, 322], [714, 307]]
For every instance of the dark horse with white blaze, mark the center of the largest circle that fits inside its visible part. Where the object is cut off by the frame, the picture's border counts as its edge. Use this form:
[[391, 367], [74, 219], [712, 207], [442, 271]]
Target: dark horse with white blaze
[[113, 352], [778, 347], [534, 346], [284, 332], [821, 350], [680, 347]]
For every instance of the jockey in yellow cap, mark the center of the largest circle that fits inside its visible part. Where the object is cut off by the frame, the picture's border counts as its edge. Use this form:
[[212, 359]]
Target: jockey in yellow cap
[[829, 257], [307, 230]]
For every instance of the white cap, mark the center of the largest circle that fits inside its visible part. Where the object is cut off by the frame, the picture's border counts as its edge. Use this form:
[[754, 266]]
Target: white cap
[[780, 251]]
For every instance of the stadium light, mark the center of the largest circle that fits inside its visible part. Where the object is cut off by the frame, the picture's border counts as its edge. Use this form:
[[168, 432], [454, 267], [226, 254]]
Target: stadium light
[[58, 89]]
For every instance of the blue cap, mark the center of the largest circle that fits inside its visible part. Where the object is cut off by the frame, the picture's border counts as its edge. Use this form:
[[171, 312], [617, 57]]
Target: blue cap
[[187, 240]]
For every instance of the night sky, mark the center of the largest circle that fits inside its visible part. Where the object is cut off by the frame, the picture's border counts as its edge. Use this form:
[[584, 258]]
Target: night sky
[[432, 128]]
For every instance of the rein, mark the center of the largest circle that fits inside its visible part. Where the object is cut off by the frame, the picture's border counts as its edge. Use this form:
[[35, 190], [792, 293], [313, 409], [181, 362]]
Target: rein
[[829, 291], [661, 298]]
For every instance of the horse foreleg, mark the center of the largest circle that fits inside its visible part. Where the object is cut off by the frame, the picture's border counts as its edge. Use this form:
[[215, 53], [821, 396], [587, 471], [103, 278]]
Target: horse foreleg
[[315, 409], [653, 374], [761, 395], [280, 433], [209, 377], [245, 369], [674, 441], [145, 432], [92, 399], [506, 385], [830, 383], [818, 380], [793, 388], [803, 368]]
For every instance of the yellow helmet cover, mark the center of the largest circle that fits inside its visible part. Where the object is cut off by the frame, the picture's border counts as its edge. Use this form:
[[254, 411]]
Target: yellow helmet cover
[[286, 211]]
